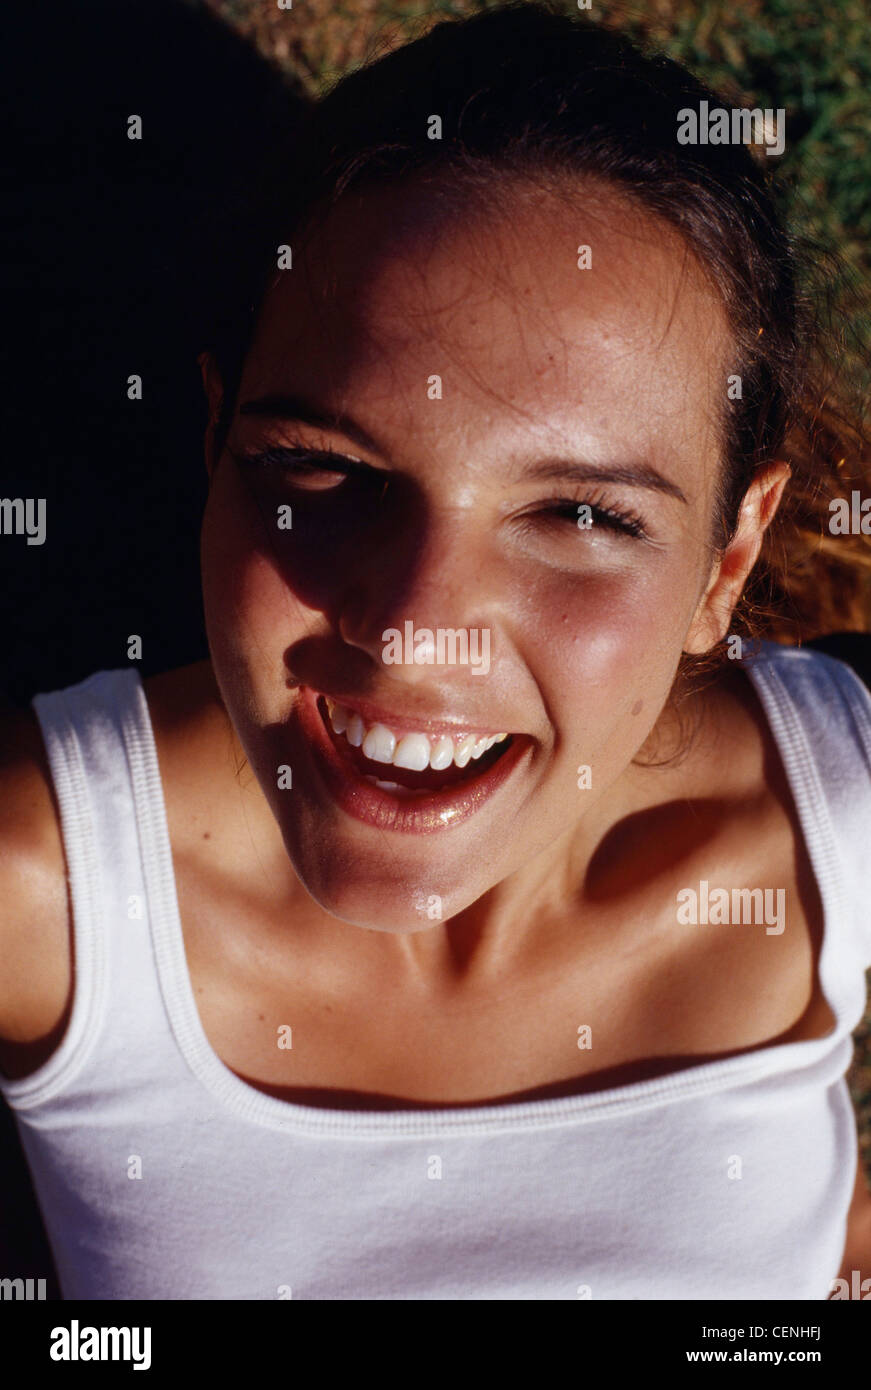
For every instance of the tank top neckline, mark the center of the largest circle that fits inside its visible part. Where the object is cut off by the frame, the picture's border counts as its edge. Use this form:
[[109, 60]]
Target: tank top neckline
[[258, 1107]]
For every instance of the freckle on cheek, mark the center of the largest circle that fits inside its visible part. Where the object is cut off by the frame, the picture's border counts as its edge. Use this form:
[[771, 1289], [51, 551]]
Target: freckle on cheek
[[638, 707]]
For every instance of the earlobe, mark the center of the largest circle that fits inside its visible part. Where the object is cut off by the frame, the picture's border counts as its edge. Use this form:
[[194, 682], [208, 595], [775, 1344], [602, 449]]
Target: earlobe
[[711, 618], [713, 615]]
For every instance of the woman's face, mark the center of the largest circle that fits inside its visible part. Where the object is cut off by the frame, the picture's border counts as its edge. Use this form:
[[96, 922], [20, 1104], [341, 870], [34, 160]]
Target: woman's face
[[431, 405]]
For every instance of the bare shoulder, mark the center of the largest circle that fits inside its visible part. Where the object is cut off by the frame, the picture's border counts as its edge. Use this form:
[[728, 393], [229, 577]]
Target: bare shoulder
[[37, 959], [35, 919], [179, 699], [196, 748], [774, 964]]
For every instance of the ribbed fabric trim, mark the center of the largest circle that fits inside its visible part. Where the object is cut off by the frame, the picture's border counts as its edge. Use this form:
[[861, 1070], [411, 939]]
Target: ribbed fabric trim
[[86, 894], [256, 1107], [813, 813]]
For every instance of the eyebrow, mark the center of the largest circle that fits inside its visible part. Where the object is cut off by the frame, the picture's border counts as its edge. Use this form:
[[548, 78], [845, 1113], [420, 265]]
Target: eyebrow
[[282, 407], [638, 475], [285, 407]]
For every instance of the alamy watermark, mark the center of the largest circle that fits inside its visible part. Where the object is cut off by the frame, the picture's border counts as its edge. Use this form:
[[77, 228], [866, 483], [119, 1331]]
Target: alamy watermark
[[75, 1343], [28, 1290], [719, 906], [21, 516], [857, 1288], [442, 646], [737, 125], [850, 516]]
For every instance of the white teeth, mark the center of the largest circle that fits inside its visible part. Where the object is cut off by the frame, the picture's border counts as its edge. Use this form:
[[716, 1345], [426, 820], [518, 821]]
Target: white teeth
[[415, 751], [412, 752], [379, 744], [464, 751], [355, 731], [338, 717], [442, 754]]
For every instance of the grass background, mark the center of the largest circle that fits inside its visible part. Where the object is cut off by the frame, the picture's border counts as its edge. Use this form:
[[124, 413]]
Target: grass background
[[810, 57]]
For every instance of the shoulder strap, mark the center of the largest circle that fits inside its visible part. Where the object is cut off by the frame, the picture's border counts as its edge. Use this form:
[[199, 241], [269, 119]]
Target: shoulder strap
[[91, 731], [820, 713]]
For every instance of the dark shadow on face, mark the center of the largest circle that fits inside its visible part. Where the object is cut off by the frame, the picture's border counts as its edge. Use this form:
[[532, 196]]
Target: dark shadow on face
[[115, 262], [349, 551], [362, 537]]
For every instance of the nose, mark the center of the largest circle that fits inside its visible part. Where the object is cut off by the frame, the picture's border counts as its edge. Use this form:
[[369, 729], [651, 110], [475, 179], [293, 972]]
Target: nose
[[439, 580]]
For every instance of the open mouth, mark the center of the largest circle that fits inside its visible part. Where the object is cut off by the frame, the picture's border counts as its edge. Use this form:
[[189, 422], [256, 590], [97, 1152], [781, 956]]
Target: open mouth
[[404, 779], [413, 764]]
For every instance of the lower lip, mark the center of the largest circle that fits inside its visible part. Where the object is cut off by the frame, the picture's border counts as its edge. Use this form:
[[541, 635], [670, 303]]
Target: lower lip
[[421, 815]]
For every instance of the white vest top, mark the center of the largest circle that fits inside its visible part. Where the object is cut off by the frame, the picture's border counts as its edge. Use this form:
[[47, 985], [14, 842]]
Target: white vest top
[[728, 1180]]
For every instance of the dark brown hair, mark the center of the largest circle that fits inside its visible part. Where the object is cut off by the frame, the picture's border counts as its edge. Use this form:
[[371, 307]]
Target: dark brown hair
[[522, 90]]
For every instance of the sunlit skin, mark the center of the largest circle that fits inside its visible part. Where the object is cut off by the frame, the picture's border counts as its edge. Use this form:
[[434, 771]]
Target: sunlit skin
[[544, 367], [558, 903]]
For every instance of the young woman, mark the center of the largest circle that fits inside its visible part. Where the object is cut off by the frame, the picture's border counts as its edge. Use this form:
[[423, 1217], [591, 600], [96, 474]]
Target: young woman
[[487, 918]]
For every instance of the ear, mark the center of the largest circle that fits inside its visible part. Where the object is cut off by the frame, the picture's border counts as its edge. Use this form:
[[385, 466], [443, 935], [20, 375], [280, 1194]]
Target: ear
[[713, 615], [214, 389]]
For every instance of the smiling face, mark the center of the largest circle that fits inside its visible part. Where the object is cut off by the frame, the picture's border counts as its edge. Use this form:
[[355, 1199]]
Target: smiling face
[[478, 395]]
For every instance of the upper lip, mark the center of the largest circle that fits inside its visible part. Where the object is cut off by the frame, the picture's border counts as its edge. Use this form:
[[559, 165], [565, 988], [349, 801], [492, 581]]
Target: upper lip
[[421, 723]]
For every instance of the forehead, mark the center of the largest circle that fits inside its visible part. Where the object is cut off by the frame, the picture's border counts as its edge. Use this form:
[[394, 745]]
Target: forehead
[[398, 286]]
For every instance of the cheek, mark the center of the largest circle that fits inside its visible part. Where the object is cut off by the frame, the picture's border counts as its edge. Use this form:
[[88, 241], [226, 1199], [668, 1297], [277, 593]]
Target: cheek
[[251, 614], [605, 651]]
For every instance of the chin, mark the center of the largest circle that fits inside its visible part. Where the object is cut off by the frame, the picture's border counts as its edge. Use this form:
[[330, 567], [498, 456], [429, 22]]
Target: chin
[[376, 903]]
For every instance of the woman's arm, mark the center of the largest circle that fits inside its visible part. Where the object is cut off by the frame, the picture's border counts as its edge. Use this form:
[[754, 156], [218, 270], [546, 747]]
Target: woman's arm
[[35, 957], [34, 973], [857, 1250]]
